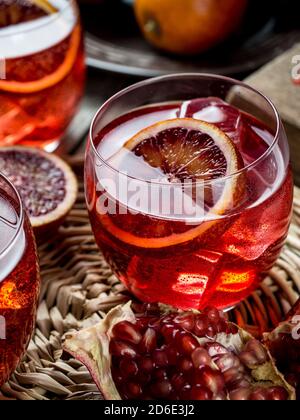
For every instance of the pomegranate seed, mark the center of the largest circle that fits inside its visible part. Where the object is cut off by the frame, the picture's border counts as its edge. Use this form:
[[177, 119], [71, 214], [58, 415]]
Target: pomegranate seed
[[178, 381], [146, 364], [118, 348], [249, 359], [277, 394], [186, 343], [161, 389], [186, 321], [126, 331], [221, 326], [212, 379], [169, 331], [240, 394], [160, 374], [201, 393], [185, 365], [259, 395], [160, 358], [133, 390], [211, 332], [232, 375], [228, 361], [200, 357], [232, 329], [128, 368], [173, 355], [258, 350], [143, 378], [149, 341], [185, 393], [213, 314], [201, 325]]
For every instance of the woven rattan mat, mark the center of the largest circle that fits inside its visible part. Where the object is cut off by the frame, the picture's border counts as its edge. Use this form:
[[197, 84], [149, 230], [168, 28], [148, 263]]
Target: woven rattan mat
[[78, 288]]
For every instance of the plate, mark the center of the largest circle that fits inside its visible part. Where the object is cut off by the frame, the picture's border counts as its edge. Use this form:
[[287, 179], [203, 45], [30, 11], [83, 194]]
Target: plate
[[114, 42]]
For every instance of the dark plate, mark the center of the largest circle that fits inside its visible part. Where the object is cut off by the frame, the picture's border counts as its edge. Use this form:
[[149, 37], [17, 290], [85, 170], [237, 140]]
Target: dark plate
[[114, 42]]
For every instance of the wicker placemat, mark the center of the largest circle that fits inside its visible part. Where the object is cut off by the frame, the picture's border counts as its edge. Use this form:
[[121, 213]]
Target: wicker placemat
[[78, 287]]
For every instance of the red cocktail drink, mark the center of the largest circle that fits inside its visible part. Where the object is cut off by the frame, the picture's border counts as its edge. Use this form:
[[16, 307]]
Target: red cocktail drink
[[190, 200], [43, 74], [19, 280]]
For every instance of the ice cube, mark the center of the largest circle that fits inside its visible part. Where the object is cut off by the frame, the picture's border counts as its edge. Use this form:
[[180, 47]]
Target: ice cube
[[215, 111]]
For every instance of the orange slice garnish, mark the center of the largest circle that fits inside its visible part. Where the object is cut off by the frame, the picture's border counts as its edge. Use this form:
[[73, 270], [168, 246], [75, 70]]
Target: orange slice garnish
[[45, 5], [52, 79], [182, 149]]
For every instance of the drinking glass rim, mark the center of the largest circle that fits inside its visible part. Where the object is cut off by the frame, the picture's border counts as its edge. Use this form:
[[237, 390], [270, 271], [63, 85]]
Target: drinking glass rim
[[20, 224], [184, 76], [39, 23]]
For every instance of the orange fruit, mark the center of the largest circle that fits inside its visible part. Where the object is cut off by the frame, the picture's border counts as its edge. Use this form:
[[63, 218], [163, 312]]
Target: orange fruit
[[188, 26], [181, 149]]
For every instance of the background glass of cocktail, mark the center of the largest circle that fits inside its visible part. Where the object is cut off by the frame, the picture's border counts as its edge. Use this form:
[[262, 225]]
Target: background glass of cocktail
[[210, 259], [42, 73], [19, 279]]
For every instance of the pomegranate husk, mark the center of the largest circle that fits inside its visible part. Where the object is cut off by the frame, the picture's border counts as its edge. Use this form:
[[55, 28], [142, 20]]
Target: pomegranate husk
[[285, 348], [91, 347]]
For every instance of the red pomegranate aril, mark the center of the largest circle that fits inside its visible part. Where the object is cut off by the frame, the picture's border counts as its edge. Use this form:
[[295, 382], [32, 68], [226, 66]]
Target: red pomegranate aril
[[211, 332], [200, 357], [146, 364], [241, 394], [160, 358], [259, 394], [258, 350], [118, 349], [185, 365], [227, 361], [169, 331], [133, 390], [186, 343], [213, 314], [173, 355], [185, 393], [231, 376], [186, 321], [160, 374], [178, 381], [161, 389], [212, 379], [143, 378], [249, 359], [201, 325], [200, 393], [149, 341], [277, 394], [127, 331], [128, 368]]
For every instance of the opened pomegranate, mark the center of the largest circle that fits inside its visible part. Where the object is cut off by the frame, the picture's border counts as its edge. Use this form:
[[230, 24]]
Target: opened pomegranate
[[157, 353], [284, 344]]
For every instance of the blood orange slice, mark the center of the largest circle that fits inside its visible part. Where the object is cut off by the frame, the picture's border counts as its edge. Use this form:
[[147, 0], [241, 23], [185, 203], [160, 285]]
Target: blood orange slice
[[46, 184], [182, 149], [15, 86]]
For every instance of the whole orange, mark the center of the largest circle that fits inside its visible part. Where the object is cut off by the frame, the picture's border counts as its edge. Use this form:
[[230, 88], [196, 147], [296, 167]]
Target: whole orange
[[188, 26]]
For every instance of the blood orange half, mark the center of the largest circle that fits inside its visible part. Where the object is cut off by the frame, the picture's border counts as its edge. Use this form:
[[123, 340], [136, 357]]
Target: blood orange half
[[182, 149]]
